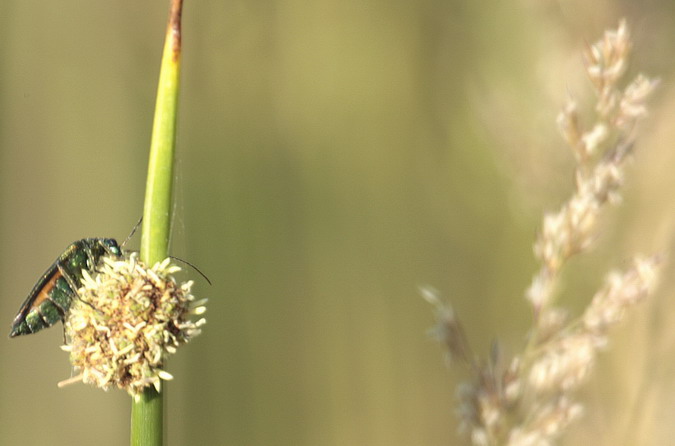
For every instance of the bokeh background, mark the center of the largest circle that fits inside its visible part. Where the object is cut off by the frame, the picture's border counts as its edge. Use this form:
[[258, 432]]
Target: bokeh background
[[332, 157]]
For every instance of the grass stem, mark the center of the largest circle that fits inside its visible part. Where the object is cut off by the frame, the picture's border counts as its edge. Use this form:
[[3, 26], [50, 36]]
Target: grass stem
[[147, 411]]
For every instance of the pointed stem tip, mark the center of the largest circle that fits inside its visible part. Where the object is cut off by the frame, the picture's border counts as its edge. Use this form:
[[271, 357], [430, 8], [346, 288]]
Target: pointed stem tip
[[175, 27]]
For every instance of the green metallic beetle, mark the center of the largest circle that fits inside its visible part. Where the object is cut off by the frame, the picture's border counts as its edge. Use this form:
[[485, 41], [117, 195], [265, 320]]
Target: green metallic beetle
[[50, 299]]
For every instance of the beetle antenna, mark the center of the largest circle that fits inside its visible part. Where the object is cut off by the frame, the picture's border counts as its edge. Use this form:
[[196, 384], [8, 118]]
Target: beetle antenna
[[133, 231], [193, 267]]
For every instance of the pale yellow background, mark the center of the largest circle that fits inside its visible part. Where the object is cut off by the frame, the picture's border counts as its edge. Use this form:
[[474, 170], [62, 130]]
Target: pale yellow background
[[333, 155]]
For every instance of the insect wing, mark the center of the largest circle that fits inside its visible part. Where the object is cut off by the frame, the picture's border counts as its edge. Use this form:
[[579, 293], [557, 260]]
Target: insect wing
[[45, 305]]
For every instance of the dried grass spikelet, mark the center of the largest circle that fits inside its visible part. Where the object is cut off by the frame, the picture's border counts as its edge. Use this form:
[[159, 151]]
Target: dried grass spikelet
[[601, 150], [529, 398], [127, 319]]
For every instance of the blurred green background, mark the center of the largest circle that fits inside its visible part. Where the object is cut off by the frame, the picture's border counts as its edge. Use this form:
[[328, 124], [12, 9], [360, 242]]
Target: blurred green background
[[332, 157]]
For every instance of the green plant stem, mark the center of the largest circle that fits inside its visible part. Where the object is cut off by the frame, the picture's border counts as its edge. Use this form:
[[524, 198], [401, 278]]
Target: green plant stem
[[147, 411], [147, 424]]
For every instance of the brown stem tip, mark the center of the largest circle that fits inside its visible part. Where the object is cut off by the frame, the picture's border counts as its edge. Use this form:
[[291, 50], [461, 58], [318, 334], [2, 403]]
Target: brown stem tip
[[175, 27]]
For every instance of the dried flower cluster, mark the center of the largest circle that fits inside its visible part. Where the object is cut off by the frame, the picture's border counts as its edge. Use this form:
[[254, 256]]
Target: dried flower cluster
[[127, 320], [528, 400]]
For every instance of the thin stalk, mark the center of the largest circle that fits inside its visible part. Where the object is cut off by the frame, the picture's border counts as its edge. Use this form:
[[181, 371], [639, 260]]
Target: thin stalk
[[147, 412]]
